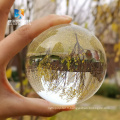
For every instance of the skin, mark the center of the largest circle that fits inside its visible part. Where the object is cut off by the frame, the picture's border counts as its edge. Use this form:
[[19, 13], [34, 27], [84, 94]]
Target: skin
[[12, 103]]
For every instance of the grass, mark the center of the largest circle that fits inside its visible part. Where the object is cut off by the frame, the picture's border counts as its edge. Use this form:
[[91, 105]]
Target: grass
[[89, 115], [113, 113]]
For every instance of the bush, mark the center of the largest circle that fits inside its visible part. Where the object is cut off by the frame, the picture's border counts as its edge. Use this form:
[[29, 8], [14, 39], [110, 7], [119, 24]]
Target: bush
[[108, 90]]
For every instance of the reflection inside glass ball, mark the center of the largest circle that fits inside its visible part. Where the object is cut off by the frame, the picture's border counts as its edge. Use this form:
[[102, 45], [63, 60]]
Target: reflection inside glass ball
[[66, 64]]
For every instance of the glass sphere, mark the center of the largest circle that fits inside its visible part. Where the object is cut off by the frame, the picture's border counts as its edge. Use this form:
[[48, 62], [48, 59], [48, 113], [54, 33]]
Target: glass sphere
[[66, 64]]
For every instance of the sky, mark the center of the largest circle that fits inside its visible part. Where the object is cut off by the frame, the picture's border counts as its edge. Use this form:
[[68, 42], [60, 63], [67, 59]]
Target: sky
[[63, 4], [22, 4], [79, 4]]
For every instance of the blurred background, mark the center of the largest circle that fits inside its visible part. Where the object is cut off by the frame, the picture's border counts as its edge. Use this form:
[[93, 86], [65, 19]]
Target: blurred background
[[101, 17]]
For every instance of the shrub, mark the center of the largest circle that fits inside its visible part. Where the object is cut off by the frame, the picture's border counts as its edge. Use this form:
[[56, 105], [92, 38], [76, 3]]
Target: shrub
[[108, 90]]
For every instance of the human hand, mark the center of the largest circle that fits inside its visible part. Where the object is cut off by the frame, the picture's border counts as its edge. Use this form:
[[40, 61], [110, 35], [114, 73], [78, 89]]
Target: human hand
[[12, 103]]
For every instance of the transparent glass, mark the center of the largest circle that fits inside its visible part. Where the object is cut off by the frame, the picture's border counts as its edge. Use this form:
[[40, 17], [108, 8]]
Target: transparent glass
[[66, 64]]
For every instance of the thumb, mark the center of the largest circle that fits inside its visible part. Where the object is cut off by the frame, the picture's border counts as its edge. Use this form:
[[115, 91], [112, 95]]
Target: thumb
[[40, 107], [17, 105]]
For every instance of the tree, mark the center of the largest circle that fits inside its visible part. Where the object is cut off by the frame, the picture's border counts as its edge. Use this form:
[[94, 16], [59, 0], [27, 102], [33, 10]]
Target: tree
[[107, 29]]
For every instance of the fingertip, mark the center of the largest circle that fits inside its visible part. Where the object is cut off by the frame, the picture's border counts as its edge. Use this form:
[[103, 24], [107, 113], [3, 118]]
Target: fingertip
[[54, 16], [67, 17]]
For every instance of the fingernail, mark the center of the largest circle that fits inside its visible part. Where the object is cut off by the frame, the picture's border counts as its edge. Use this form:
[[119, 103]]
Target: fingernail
[[66, 16]]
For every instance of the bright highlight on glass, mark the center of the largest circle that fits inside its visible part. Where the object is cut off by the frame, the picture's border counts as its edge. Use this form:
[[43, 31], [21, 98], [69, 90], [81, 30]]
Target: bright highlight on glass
[[66, 64]]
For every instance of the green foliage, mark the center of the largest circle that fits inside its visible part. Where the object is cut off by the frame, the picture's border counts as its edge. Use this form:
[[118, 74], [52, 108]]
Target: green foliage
[[108, 90], [107, 25], [76, 23], [114, 27], [12, 75], [117, 50], [15, 76], [9, 73], [86, 25], [67, 2], [53, 0], [26, 87], [52, 118]]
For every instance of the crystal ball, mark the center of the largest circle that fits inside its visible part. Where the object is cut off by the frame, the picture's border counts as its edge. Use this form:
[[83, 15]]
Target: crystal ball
[[66, 64]]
